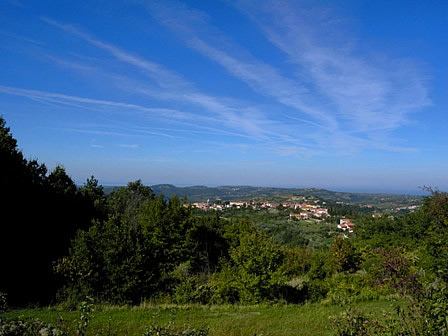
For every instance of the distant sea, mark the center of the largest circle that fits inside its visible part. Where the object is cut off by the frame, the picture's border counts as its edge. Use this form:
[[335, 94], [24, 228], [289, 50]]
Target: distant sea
[[370, 190]]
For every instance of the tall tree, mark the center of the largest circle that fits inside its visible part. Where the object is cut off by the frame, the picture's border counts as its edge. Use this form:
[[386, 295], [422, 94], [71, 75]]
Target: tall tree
[[39, 215]]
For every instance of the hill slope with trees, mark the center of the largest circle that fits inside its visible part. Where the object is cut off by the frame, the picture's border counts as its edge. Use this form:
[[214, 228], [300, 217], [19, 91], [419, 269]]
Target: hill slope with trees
[[204, 193]]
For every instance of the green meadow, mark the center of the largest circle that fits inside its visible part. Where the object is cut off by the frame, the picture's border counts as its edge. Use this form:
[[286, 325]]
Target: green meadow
[[221, 320]]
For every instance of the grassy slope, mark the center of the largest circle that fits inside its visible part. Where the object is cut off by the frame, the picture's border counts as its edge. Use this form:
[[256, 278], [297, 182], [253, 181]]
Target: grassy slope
[[282, 320]]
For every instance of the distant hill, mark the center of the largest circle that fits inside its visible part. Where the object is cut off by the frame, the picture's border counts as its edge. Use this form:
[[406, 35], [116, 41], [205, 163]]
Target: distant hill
[[203, 193]]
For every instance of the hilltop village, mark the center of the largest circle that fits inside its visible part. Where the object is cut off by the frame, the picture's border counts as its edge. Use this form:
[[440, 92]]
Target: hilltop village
[[300, 209]]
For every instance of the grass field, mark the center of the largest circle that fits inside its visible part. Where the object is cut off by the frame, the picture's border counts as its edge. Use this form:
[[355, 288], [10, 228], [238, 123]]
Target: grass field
[[285, 320]]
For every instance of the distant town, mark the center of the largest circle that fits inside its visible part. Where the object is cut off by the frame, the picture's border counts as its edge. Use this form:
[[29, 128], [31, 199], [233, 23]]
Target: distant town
[[308, 207], [302, 208]]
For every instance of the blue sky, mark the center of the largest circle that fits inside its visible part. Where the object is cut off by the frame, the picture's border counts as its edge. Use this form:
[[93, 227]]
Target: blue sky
[[345, 95]]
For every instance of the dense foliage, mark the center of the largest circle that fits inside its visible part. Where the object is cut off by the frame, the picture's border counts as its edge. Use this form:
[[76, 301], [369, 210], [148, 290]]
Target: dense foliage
[[21, 327], [41, 211]]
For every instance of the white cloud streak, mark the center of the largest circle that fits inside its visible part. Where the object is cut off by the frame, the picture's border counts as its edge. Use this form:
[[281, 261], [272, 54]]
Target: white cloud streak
[[22, 38], [130, 146], [243, 119], [158, 73], [367, 94], [188, 123], [350, 100], [195, 31], [334, 99], [82, 102]]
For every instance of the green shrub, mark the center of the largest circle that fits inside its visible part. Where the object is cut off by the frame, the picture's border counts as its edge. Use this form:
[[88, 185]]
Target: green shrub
[[426, 314], [224, 286], [402, 322], [434, 307], [316, 290], [320, 267], [27, 327], [350, 323], [3, 302], [169, 330], [349, 288], [86, 314], [396, 271], [343, 256], [190, 288], [253, 274], [257, 261], [297, 261]]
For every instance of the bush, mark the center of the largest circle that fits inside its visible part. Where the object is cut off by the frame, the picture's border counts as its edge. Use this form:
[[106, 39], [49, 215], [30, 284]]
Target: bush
[[396, 271], [434, 307], [257, 262], [316, 290], [427, 314], [190, 288], [86, 310], [3, 302], [349, 288], [169, 330], [320, 267], [21, 327], [350, 323], [297, 261], [224, 286], [343, 256]]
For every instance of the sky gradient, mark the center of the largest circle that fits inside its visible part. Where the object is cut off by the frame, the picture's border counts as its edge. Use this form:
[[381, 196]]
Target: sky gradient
[[344, 95]]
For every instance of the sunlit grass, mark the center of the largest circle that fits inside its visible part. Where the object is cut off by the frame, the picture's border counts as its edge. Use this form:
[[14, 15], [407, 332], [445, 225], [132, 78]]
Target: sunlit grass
[[225, 320]]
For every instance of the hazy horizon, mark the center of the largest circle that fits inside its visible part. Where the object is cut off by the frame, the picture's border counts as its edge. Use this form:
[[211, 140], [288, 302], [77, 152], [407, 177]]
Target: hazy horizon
[[364, 190]]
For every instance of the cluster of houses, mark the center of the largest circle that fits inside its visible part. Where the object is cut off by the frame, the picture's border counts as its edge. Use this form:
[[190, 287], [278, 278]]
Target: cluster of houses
[[309, 212], [307, 209], [222, 206], [410, 207], [346, 225]]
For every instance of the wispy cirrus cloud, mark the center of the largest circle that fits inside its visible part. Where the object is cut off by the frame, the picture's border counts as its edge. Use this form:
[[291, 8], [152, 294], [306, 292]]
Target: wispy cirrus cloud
[[246, 119], [114, 130], [130, 146], [187, 123], [164, 77], [97, 132], [83, 102], [195, 30], [332, 98], [22, 38], [368, 93], [351, 100]]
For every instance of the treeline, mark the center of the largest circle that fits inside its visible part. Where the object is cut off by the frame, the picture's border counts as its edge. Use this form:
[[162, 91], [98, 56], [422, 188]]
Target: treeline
[[152, 249], [155, 249]]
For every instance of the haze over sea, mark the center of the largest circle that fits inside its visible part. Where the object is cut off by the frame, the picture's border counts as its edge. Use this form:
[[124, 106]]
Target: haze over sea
[[342, 95]]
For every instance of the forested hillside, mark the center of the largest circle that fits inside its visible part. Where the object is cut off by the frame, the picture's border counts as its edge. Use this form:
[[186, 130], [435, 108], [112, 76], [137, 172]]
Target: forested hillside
[[61, 244]]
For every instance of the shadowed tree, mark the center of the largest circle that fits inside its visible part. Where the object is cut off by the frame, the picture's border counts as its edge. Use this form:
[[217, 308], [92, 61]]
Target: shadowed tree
[[39, 216]]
